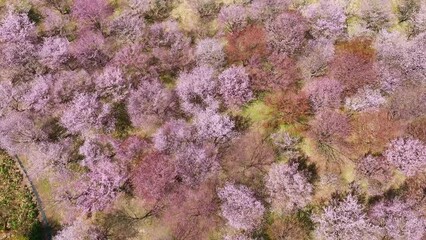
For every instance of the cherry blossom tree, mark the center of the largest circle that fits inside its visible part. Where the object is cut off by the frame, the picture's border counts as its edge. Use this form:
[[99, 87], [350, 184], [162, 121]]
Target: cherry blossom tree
[[150, 103], [197, 89], [399, 219], [214, 126], [153, 177], [209, 51], [85, 112], [324, 93], [100, 187], [391, 48], [112, 84], [289, 189], [38, 94], [80, 229], [233, 17], [173, 136], [415, 59], [240, 207], [345, 220], [329, 126], [327, 19], [196, 162], [170, 47], [376, 14], [366, 99], [91, 11], [54, 51], [17, 34], [234, 84], [88, 49], [318, 54], [407, 154], [286, 34], [263, 10], [18, 131]]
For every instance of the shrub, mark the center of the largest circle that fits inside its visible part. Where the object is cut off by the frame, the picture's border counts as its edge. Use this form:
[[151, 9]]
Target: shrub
[[19, 211]]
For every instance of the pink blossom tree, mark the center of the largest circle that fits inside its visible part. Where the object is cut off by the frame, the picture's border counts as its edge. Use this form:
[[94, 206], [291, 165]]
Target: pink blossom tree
[[213, 126], [407, 154], [234, 86], [112, 84], [99, 188], [197, 89], [263, 10], [209, 51], [54, 51], [38, 95], [366, 99], [17, 35], [170, 47], [173, 136], [399, 219], [327, 19], [80, 229], [86, 112], [286, 34], [289, 189], [345, 220], [196, 162], [154, 176], [88, 49], [324, 93], [150, 103], [233, 17], [91, 11], [240, 207]]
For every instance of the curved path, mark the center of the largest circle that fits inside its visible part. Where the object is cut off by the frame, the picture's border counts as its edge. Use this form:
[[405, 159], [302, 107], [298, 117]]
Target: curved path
[[45, 223]]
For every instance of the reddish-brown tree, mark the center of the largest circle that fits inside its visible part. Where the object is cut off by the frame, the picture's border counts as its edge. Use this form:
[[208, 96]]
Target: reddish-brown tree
[[417, 129], [290, 106], [191, 213], [153, 177], [372, 131], [353, 64], [245, 44], [278, 71]]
